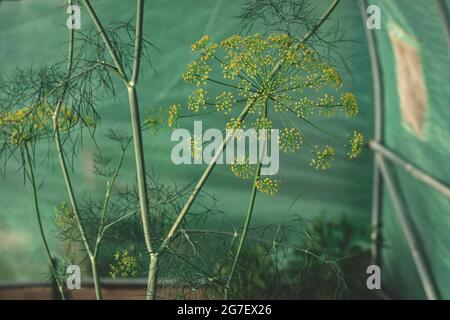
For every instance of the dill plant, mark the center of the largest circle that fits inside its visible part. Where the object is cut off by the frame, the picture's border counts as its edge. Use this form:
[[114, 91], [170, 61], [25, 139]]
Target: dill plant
[[95, 59], [125, 46], [262, 79], [20, 130], [266, 78]]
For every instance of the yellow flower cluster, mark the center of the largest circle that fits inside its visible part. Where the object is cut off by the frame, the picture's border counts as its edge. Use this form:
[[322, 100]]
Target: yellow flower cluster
[[196, 147], [242, 168], [326, 105], [283, 40], [331, 76], [197, 73], [234, 124], [304, 107], [323, 157], [290, 140], [124, 265], [33, 122], [350, 105], [197, 100], [244, 54], [206, 49], [249, 60], [225, 101], [262, 123], [174, 115], [268, 186], [266, 73], [356, 143]]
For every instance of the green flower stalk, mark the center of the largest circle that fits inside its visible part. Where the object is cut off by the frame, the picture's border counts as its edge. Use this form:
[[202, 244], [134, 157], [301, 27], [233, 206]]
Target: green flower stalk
[[32, 179]]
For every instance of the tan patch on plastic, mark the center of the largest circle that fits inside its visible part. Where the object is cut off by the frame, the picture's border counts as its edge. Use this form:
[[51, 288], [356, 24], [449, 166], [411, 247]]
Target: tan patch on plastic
[[410, 82]]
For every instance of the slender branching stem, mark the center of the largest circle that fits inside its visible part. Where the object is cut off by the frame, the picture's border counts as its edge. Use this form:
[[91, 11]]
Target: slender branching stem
[[105, 38], [251, 206], [319, 23], [139, 152], [73, 203], [32, 179], [65, 172], [307, 36], [109, 189]]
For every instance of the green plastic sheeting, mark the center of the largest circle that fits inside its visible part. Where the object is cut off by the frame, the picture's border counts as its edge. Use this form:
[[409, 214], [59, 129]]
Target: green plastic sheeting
[[429, 211]]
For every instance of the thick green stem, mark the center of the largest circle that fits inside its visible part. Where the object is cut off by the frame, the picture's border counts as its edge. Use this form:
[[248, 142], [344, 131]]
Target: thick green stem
[[152, 277], [142, 184], [136, 127], [244, 230], [139, 153], [95, 277], [39, 219], [251, 205]]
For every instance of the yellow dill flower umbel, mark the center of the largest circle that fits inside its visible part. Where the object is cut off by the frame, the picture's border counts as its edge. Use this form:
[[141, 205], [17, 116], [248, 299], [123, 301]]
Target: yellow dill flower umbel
[[242, 168], [356, 143], [349, 104], [197, 100], [270, 82], [323, 157], [174, 115], [225, 101], [268, 186], [290, 140], [124, 265]]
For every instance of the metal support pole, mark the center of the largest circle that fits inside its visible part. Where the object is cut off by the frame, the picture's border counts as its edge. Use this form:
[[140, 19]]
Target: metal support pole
[[376, 235], [443, 10], [406, 226], [420, 175]]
